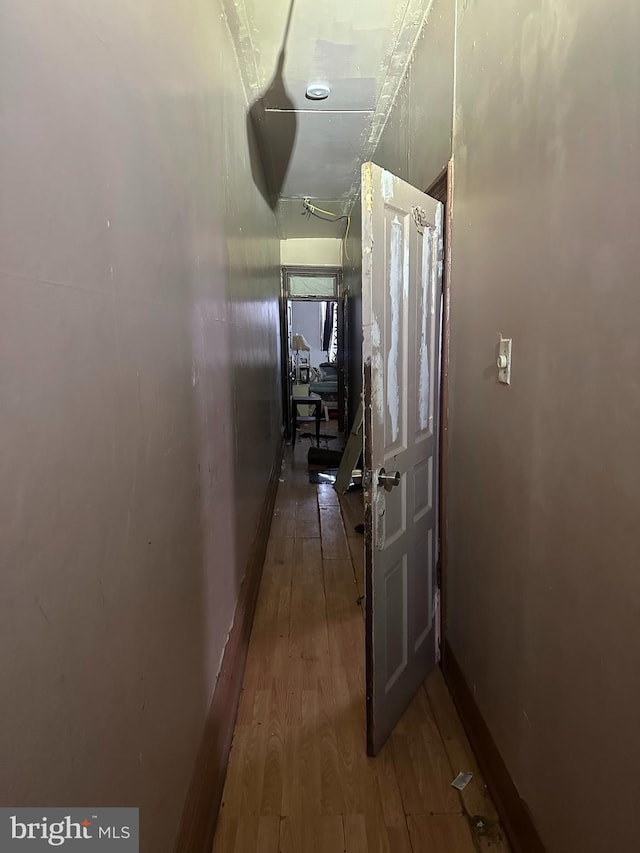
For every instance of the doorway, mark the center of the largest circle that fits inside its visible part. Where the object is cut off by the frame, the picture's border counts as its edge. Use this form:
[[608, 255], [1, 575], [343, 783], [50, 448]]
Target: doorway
[[312, 335], [442, 190]]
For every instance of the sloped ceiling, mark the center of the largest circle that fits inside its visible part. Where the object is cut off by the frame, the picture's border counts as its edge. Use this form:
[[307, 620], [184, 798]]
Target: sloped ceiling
[[314, 149]]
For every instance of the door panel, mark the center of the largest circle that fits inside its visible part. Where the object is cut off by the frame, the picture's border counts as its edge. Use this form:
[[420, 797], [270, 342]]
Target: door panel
[[401, 300]]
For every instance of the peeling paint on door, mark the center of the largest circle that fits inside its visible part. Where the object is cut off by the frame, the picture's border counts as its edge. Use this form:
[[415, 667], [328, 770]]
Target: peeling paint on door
[[377, 391], [387, 186], [424, 338], [367, 187], [395, 287]]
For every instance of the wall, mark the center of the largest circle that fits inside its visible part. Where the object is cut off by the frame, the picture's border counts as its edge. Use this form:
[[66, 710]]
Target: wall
[[312, 251], [352, 284], [416, 142], [140, 388], [415, 145], [544, 476]]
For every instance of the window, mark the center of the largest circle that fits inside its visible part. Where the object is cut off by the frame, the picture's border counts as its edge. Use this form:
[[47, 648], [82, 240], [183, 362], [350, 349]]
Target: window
[[310, 286]]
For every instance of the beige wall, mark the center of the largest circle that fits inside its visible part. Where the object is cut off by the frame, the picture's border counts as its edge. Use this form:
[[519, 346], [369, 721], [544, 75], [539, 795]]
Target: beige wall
[[416, 141], [352, 283], [311, 251], [140, 393], [544, 599], [415, 145], [544, 589]]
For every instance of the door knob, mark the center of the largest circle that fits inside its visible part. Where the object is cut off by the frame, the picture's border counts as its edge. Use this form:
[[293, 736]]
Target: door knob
[[388, 480]]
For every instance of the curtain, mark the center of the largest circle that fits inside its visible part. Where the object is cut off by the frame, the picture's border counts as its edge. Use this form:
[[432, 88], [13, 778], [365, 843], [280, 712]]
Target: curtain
[[327, 330]]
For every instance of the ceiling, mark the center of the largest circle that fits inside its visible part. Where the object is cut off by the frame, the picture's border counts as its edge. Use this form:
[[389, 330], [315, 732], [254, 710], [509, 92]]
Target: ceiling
[[314, 149]]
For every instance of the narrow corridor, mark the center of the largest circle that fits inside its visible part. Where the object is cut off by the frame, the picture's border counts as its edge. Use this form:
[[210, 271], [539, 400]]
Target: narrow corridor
[[298, 779]]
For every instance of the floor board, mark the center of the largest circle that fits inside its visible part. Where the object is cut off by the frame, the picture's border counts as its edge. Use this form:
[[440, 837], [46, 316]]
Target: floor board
[[299, 779]]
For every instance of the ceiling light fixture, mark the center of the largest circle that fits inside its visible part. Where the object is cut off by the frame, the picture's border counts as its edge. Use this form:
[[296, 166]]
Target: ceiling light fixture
[[317, 92]]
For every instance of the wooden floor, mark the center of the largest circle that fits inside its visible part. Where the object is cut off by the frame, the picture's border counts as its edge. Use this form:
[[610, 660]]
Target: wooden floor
[[299, 780]]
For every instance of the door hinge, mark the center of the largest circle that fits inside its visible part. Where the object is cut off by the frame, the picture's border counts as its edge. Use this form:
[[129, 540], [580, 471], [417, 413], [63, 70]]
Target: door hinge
[[439, 573]]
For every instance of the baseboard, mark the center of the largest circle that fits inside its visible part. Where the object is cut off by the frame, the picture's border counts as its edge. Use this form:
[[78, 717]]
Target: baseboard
[[514, 814], [200, 813]]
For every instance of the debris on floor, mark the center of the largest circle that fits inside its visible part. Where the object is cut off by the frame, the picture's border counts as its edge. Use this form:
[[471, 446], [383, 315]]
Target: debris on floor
[[325, 477], [462, 780], [329, 478], [312, 436], [489, 834]]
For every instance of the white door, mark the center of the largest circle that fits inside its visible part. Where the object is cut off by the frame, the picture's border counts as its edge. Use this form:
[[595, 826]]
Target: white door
[[402, 245]]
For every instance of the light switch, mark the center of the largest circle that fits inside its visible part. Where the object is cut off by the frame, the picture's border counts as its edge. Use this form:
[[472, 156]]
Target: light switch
[[504, 360]]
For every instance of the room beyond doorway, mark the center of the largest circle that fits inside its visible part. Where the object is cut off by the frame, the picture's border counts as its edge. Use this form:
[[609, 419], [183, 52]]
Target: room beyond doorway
[[313, 340]]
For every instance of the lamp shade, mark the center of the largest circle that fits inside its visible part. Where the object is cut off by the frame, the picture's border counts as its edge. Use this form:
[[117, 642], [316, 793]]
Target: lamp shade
[[299, 342]]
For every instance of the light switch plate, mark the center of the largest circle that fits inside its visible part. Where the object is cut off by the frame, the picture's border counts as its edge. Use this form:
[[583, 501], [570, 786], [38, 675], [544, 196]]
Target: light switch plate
[[504, 360]]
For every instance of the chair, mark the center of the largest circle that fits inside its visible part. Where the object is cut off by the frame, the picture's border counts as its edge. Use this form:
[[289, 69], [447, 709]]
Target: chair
[[312, 400]]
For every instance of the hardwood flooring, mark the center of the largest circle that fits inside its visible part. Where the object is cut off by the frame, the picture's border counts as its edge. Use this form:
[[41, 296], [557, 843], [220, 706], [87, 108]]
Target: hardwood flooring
[[298, 779]]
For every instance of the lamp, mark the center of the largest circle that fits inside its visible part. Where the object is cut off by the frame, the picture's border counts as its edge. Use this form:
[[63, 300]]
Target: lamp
[[299, 342]]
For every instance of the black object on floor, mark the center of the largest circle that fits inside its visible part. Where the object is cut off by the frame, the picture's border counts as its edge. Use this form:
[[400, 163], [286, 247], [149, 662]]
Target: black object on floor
[[323, 456]]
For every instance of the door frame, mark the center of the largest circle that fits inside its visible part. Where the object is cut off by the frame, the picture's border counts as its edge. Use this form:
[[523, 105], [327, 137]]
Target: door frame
[[339, 299], [442, 190]]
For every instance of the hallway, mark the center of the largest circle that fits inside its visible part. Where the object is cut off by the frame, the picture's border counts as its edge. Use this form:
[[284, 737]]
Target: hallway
[[164, 167], [298, 778]]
